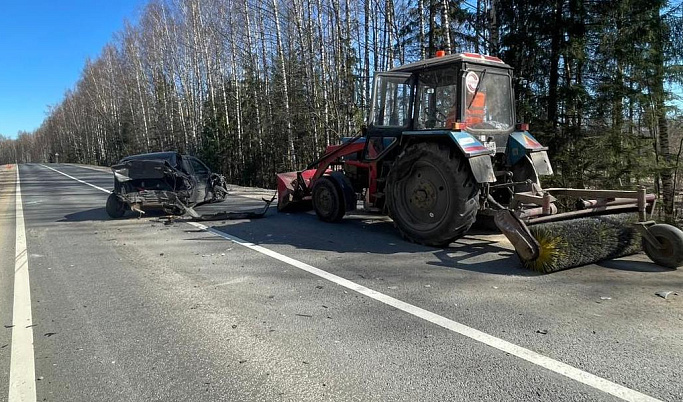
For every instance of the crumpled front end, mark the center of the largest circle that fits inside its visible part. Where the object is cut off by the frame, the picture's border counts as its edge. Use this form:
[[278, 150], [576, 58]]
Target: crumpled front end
[[151, 183]]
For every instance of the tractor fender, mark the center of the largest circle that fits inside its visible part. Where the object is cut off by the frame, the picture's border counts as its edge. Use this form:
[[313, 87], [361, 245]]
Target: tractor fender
[[476, 153], [346, 189], [520, 144]]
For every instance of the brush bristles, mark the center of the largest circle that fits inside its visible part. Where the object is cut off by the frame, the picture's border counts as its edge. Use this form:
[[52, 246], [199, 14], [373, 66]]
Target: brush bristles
[[582, 241]]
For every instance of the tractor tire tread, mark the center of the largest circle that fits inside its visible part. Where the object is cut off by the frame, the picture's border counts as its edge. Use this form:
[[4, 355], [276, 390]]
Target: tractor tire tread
[[337, 215], [456, 166]]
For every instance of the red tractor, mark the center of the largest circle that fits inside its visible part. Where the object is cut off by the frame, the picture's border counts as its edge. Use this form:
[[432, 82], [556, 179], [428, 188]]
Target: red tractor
[[441, 146]]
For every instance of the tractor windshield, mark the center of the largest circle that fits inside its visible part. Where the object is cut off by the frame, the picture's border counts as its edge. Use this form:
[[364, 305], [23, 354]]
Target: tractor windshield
[[487, 100]]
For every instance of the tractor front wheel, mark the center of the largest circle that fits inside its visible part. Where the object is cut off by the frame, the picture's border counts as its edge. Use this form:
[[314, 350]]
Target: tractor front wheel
[[328, 201], [432, 194]]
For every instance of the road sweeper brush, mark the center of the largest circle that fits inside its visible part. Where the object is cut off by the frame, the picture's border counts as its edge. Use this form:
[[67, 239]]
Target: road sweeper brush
[[613, 224], [441, 147]]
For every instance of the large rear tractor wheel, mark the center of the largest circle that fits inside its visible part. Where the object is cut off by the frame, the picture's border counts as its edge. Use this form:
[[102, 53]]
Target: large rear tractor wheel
[[328, 201], [432, 194], [115, 207], [671, 238]]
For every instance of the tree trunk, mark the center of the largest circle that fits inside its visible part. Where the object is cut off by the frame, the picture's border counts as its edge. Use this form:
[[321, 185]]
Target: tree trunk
[[421, 33], [281, 55], [554, 73]]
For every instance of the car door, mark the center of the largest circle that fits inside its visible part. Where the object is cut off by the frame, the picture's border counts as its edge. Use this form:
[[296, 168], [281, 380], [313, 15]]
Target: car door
[[202, 174]]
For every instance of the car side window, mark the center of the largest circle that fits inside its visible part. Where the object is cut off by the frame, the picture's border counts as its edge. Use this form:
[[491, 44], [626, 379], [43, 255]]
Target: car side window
[[199, 168], [185, 166]]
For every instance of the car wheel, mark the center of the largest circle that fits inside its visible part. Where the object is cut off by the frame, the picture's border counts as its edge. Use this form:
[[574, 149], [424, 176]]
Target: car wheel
[[115, 207]]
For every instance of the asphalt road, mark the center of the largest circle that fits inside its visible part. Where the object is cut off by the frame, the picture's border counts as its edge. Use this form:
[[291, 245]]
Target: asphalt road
[[290, 308]]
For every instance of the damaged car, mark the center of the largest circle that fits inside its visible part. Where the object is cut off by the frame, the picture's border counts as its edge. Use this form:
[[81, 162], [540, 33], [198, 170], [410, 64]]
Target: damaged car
[[163, 180]]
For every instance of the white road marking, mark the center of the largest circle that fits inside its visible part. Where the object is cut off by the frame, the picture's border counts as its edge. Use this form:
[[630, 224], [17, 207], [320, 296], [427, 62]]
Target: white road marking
[[78, 180], [100, 169], [538, 359], [22, 375]]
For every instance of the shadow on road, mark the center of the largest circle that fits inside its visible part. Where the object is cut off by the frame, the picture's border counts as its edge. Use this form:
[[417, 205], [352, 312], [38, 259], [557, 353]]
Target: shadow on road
[[95, 214], [479, 255], [480, 251], [634, 266]]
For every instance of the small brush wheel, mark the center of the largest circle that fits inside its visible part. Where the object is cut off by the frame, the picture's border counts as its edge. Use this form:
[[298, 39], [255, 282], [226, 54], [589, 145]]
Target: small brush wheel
[[671, 238], [327, 200]]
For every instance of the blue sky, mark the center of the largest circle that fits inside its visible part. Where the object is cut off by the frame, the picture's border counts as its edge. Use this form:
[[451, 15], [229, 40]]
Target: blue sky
[[43, 48]]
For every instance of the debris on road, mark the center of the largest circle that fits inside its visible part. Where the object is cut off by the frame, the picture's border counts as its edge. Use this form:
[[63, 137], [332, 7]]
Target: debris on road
[[664, 294], [49, 334], [542, 331]]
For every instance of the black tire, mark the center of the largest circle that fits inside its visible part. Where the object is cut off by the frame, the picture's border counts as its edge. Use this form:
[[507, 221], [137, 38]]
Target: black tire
[[432, 194], [115, 207], [328, 201], [671, 237]]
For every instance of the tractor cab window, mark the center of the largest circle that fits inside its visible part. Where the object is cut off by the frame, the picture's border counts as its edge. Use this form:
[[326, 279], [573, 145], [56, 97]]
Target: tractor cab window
[[438, 99], [487, 100], [391, 103]]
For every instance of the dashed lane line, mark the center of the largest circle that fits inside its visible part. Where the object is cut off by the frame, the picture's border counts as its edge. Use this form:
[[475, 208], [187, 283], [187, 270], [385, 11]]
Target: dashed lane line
[[78, 180], [100, 169], [502, 345], [22, 382]]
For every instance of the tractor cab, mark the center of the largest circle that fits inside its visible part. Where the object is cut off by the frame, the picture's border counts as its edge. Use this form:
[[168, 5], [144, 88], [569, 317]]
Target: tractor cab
[[461, 92]]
